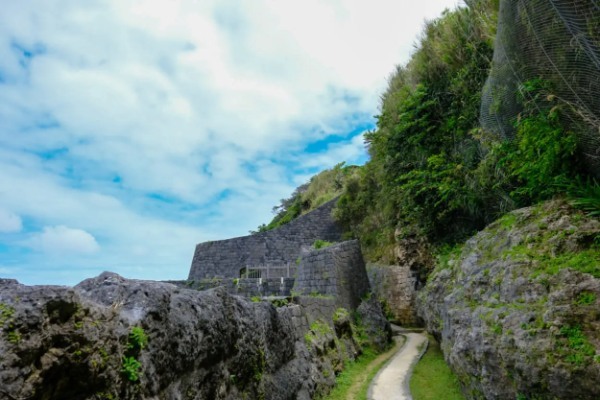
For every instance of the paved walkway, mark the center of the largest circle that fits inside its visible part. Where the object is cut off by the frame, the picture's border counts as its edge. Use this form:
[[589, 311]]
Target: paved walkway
[[391, 383]]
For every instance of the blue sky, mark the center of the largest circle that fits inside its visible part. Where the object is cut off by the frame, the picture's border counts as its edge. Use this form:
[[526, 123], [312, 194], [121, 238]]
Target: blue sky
[[130, 130]]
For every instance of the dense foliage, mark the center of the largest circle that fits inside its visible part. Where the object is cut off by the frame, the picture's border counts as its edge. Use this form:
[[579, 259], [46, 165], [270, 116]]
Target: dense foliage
[[434, 172], [424, 150]]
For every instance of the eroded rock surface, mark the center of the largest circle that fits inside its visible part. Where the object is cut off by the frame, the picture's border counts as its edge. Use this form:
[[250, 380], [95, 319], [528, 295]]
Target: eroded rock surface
[[518, 312], [84, 343]]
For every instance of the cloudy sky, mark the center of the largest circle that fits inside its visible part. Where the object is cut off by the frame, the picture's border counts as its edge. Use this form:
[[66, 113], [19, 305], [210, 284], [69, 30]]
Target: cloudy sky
[[130, 130]]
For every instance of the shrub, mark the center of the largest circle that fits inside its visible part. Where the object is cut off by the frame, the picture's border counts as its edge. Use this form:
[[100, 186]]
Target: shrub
[[321, 244]]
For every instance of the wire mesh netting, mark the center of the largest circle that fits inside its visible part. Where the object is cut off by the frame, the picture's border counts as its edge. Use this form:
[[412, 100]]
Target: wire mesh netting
[[557, 42]]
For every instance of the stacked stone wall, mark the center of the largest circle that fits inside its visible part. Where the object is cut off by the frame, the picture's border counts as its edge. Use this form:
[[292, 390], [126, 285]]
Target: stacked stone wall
[[264, 287], [226, 258], [337, 271], [395, 286]]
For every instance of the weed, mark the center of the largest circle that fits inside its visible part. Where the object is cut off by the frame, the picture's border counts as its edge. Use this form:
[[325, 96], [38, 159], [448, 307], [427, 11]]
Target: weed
[[576, 347], [7, 320], [280, 302], [137, 339], [14, 336], [340, 313], [131, 368], [321, 244], [585, 298], [497, 328], [586, 196], [6, 313]]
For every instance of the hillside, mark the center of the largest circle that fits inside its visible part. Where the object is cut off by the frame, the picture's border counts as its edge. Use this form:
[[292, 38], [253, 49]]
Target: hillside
[[496, 111], [320, 189]]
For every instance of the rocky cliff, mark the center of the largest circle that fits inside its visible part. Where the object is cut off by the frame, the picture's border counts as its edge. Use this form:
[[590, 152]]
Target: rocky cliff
[[113, 338], [518, 309]]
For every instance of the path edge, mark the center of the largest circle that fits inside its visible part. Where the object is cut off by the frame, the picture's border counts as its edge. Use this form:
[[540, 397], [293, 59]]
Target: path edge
[[406, 383], [370, 390]]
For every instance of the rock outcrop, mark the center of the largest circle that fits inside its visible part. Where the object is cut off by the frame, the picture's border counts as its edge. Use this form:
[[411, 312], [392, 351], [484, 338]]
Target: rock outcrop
[[518, 311], [114, 338]]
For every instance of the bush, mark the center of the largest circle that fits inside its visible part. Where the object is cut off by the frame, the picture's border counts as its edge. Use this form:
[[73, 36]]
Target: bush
[[321, 244]]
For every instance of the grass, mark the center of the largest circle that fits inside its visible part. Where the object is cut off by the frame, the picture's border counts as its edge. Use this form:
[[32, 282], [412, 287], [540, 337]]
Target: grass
[[353, 383], [432, 379]]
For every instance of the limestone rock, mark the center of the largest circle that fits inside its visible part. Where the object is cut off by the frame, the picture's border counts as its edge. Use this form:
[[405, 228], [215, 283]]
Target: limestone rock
[[377, 327], [85, 342], [518, 312]]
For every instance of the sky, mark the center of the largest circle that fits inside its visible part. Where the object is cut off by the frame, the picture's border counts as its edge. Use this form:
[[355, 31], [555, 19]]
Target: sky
[[131, 130]]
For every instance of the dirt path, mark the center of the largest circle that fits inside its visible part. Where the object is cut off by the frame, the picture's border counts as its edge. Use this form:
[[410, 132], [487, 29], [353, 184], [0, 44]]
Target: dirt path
[[356, 385], [391, 381]]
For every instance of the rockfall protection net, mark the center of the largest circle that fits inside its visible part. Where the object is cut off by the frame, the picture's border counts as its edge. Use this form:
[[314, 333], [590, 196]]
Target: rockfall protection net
[[556, 42]]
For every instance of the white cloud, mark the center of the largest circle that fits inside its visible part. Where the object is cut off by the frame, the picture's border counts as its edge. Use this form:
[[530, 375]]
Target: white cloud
[[63, 240], [157, 124], [9, 222]]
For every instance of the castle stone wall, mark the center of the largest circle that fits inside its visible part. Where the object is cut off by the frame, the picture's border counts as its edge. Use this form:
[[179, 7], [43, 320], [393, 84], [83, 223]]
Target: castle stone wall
[[225, 258], [337, 271], [395, 286]]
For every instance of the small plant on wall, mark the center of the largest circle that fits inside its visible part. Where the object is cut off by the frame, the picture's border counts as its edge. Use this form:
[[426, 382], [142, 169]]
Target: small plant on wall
[[136, 342], [321, 244]]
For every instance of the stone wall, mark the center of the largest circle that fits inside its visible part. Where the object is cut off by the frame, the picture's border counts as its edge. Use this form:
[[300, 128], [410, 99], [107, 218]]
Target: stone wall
[[395, 287], [226, 258], [264, 287], [337, 271]]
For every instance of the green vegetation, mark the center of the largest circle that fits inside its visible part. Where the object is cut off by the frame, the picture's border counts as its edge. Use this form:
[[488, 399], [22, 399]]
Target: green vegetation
[[131, 368], [433, 171], [425, 151], [317, 329], [340, 314], [549, 263], [321, 244], [7, 323], [280, 302], [321, 188], [136, 342], [585, 298], [432, 378], [137, 339], [447, 254], [586, 196], [353, 382], [574, 346]]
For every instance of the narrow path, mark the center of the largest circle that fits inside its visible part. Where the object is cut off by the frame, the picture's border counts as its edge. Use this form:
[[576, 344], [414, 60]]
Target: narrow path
[[391, 381], [361, 380]]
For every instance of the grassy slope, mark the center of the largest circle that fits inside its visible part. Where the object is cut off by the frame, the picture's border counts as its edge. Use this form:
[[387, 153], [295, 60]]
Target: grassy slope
[[432, 379]]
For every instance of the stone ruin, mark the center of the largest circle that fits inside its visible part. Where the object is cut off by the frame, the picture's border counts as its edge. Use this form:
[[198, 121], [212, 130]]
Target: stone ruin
[[282, 262]]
